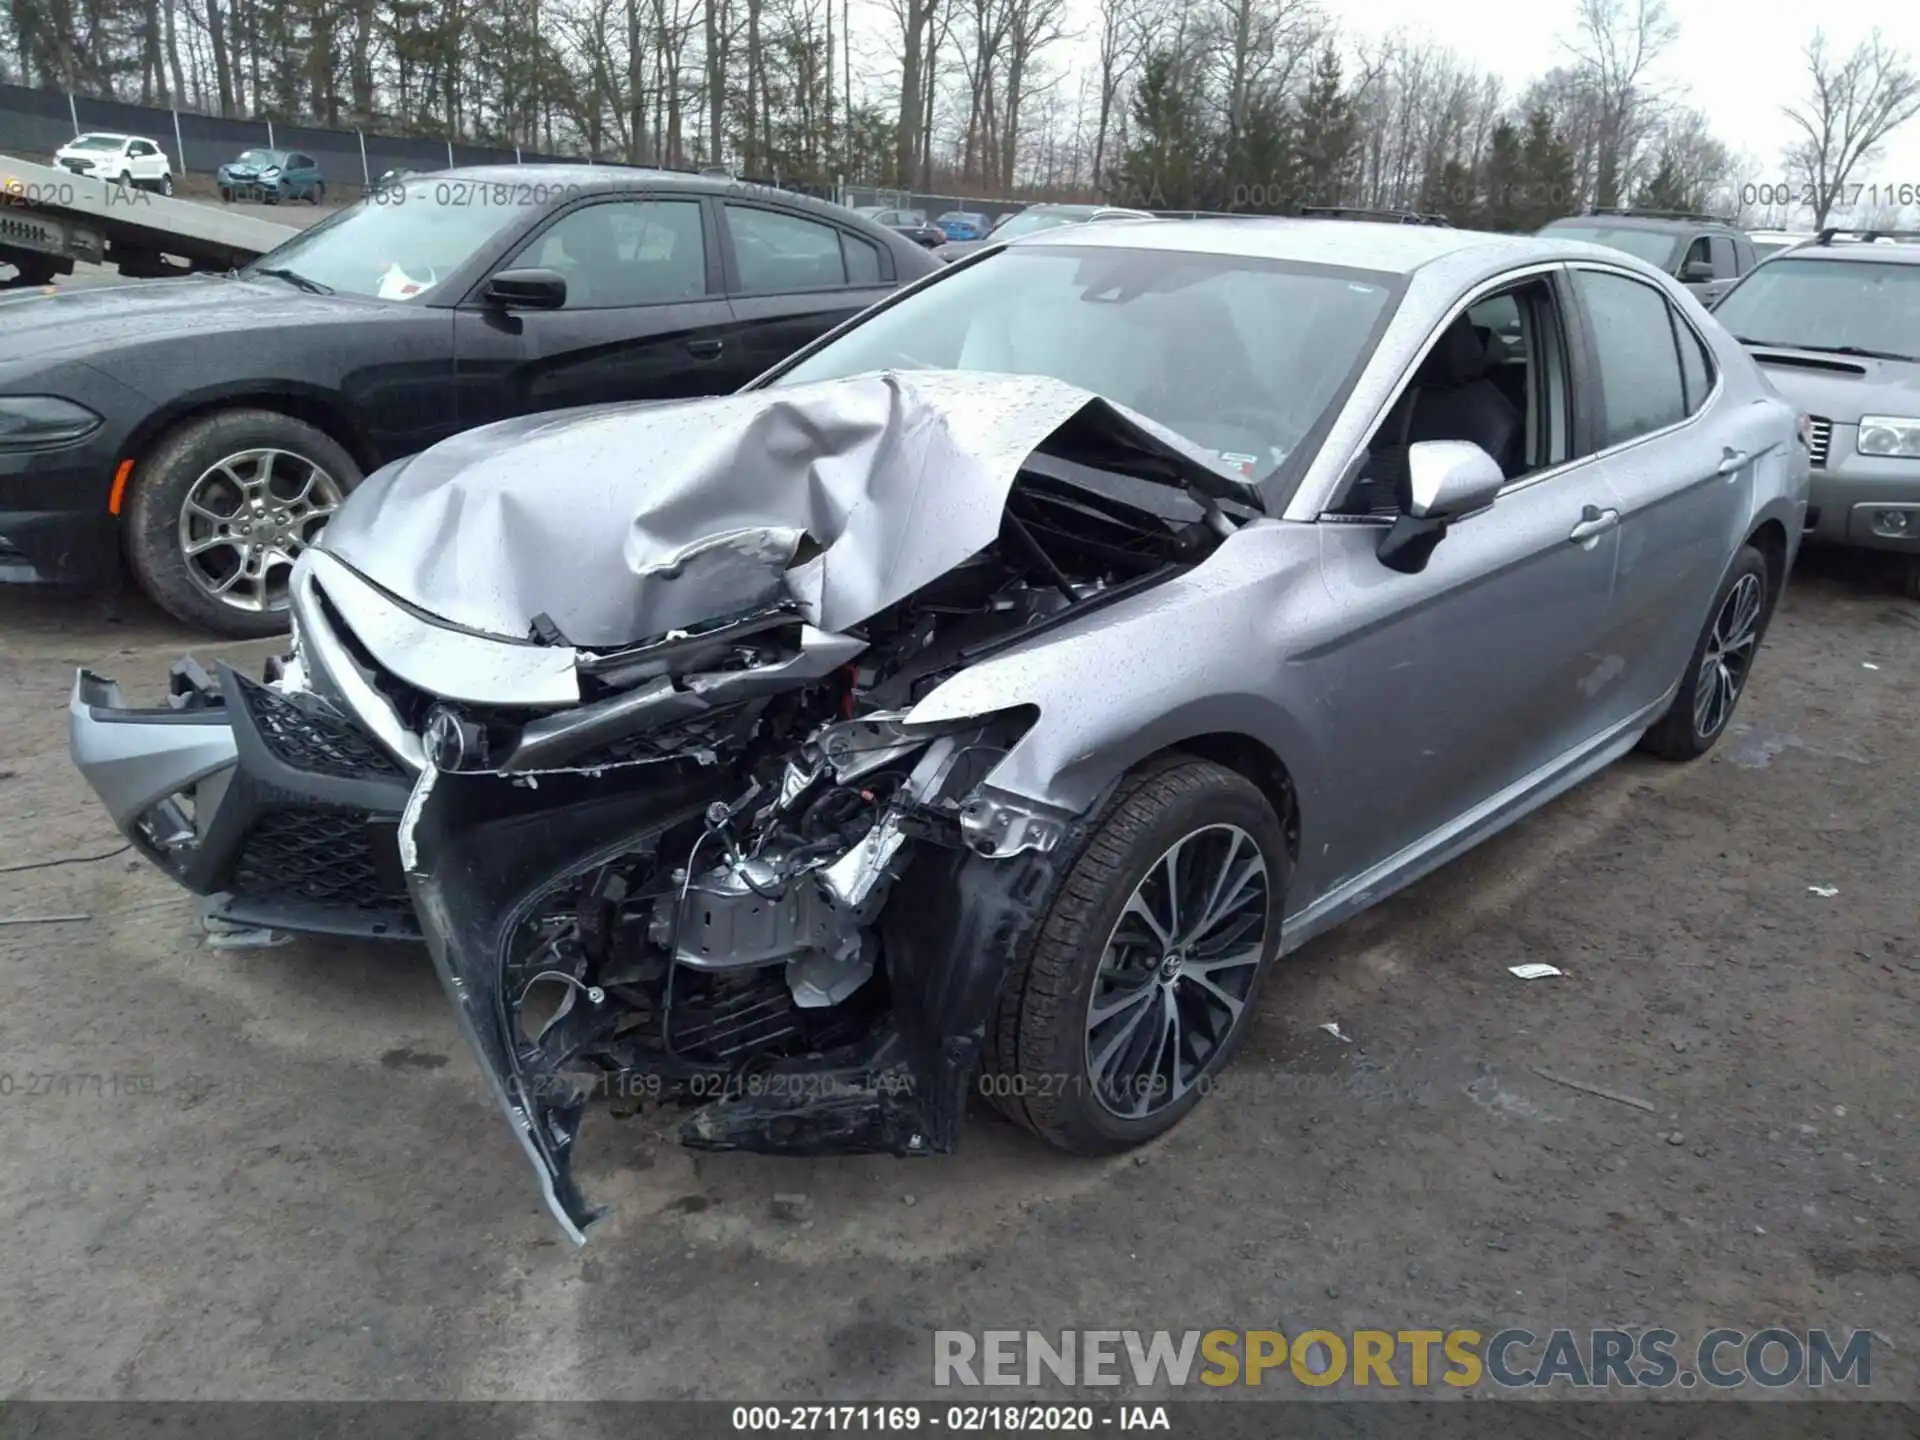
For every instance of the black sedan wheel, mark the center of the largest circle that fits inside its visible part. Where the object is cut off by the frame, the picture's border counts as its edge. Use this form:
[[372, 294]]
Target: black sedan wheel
[[1144, 977], [1722, 660], [221, 509]]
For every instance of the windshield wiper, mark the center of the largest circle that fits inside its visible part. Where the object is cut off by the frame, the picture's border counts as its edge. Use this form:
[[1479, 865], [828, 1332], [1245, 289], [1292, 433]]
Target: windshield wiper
[[1859, 350], [293, 277]]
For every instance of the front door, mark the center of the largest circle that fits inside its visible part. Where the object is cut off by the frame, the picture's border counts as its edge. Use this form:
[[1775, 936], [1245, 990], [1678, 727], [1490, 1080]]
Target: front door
[[1455, 683], [644, 318]]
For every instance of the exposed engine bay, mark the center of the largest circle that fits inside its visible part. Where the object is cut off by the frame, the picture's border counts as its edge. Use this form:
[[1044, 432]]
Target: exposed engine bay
[[706, 957], [698, 777]]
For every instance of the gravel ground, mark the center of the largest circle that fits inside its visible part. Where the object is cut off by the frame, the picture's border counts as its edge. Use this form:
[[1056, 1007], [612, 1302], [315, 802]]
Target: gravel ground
[[306, 1193]]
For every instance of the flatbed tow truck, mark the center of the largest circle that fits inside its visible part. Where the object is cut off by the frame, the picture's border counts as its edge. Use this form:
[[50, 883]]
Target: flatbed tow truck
[[52, 219]]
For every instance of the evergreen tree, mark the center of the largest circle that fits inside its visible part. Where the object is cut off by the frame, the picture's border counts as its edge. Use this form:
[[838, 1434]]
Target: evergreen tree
[[1549, 183], [1666, 190], [1500, 176], [1167, 165], [1328, 131]]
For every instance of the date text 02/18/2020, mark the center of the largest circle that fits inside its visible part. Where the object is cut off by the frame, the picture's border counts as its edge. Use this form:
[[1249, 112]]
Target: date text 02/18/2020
[[956, 1419]]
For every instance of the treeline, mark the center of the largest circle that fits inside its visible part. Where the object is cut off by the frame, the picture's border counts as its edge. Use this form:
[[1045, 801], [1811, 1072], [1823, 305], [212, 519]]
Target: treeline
[[1204, 104]]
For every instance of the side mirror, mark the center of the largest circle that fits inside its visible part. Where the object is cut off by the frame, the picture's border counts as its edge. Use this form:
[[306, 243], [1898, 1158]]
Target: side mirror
[[1447, 480], [526, 290], [1696, 272]]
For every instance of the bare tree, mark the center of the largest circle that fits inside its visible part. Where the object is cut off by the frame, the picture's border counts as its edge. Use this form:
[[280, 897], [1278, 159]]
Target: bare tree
[[1854, 103], [1618, 41]]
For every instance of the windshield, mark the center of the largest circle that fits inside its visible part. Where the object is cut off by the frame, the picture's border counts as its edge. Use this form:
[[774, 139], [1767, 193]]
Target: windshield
[[257, 157], [1028, 221], [1240, 356], [98, 142], [396, 245], [1653, 246], [1827, 303]]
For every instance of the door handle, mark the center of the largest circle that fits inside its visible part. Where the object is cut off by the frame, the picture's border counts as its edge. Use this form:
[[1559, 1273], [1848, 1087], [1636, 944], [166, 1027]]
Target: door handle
[[706, 349], [1594, 522], [1731, 461]]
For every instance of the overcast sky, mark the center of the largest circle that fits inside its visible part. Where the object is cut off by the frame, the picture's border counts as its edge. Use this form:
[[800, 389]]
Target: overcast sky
[[1739, 60]]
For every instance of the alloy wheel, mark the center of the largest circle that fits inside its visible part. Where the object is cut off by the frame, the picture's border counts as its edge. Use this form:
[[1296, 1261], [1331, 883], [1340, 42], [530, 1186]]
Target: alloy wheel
[[1177, 971], [1729, 656], [246, 520]]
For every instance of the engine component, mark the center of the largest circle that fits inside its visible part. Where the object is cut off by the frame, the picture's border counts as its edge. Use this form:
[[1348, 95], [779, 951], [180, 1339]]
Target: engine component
[[749, 913]]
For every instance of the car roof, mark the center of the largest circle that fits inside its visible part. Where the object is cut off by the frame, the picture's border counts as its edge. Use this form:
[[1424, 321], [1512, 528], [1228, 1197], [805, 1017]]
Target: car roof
[[580, 176], [1354, 244], [1880, 252], [1647, 222]]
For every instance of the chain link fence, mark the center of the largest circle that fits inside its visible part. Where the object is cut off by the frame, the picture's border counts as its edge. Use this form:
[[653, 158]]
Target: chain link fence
[[35, 123], [933, 206]]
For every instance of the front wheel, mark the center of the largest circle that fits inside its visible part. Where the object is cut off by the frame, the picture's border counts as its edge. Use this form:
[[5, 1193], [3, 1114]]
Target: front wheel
[[166, 185], [1716, 676], [221, 509], [318, 194], [1144, 976]]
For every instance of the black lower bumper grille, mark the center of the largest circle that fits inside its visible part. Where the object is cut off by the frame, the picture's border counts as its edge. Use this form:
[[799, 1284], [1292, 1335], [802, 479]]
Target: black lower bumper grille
[[309, 735], [330, 857]]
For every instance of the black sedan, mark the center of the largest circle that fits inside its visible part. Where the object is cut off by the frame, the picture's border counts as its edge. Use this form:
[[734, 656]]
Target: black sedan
[[204, 429]]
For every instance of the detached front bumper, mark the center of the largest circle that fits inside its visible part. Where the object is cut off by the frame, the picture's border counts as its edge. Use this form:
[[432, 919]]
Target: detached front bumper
[[272, 804]]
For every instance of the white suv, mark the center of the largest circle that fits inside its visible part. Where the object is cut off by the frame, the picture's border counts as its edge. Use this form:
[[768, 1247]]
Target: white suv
[[118, 159]]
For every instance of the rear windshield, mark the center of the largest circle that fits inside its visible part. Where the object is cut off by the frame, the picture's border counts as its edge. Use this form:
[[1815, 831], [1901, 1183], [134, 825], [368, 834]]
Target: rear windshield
[[1653, 246]]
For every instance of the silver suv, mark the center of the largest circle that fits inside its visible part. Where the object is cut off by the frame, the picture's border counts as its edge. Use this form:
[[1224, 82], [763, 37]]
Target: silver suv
[[1835, 325]]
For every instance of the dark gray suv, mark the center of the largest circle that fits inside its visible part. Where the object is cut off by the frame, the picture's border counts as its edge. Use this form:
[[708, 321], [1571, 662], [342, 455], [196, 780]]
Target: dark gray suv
[[1703, 252], [1836, 326]]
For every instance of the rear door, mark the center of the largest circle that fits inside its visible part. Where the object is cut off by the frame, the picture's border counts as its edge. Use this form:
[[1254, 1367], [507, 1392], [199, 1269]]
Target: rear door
[[145, 160], [644, 317], [1681, 461], [792, 277]]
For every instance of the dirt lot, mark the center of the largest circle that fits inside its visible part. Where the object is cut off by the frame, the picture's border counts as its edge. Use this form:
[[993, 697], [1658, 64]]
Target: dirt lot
[[302, 1191]]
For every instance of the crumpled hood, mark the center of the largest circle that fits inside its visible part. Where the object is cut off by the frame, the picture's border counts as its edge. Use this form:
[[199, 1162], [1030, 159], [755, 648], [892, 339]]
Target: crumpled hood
[[619, 523]]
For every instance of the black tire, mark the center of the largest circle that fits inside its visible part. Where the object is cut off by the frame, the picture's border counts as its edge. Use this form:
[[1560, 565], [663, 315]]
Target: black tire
[[166, 185], [318, 194], [1680, 734], [167, 473], [1910, 577], [1036, 1069], [226, 194]]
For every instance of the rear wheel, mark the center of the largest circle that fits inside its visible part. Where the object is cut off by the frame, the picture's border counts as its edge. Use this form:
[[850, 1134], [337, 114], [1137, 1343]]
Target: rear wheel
[[1716, 676], [1143, 980], [221, 509]]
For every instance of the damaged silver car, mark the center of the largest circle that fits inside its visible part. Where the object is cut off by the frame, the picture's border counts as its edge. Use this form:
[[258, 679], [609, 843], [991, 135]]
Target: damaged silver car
[[981, 701]]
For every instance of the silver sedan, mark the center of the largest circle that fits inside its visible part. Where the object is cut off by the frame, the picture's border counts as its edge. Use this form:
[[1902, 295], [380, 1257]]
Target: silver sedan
[[983, 700]]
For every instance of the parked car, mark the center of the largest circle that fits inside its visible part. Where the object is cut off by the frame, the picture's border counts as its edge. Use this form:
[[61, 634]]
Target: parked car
[[1706, 253], [127, 160], [1034, 219], [272, 176], [981, 700], [964, 225], [207, 427], [1835, 325], [911, 223]]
